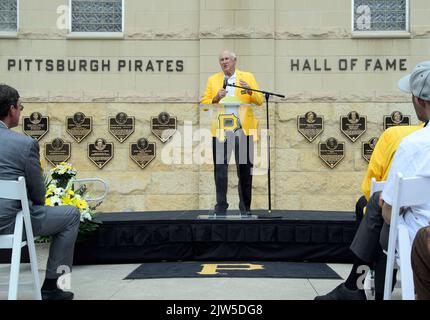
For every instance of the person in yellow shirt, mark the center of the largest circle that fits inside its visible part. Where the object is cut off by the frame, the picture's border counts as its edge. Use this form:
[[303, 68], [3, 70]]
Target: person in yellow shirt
[[241, 137], [380, 161]]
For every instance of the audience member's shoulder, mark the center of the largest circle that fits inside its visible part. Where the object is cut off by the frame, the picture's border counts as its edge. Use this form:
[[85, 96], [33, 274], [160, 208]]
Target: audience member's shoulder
[[419, 137], [402, 130], [20, 138]]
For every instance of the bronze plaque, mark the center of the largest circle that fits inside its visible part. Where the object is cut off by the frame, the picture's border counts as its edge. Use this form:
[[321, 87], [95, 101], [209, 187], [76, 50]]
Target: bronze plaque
[[353, 125], [121, 126], [368, 147], [310, 125], [36, 125], [57, 151], [142, 152], [164, 126], [396, 119], [79, 126], [100, 152], [331, 151]]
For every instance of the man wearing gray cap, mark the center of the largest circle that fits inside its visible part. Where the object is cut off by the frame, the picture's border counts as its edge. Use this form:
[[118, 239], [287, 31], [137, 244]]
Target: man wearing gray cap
[[412, 158]]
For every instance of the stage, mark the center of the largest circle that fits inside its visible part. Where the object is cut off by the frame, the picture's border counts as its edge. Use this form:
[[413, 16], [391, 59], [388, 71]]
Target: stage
[[133, 237], [315, 236]]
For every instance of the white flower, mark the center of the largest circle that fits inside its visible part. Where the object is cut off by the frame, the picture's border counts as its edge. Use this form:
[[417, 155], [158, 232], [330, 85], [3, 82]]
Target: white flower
[[56, 201], [86, 214]]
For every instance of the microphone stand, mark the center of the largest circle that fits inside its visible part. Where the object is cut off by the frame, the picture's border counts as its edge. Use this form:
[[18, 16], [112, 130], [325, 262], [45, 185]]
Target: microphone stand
[[267, 96]]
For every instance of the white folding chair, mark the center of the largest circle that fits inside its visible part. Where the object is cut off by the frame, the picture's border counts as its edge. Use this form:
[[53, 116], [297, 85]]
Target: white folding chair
[[16, 190], [376, 186], [408, 192]]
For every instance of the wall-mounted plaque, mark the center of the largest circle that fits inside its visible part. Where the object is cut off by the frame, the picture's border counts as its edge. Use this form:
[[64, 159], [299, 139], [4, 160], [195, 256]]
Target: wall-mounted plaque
[[164, 126], [396, 119], [121, 126], [331, 151], [100, 152], [368, 147], [79, 126], [36, 125], [142, 152], [353, 125], [57, 151], [310, 125]]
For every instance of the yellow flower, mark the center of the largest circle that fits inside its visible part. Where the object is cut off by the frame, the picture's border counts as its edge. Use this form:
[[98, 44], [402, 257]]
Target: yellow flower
[[48, 202], [81, 204], [65, 200]]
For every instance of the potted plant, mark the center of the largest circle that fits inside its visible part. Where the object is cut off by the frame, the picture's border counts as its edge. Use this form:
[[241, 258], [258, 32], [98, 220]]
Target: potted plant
[[60, 191]]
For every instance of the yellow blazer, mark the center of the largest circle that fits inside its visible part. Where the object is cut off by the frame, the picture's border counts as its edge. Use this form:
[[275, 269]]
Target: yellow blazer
[[246, 116]]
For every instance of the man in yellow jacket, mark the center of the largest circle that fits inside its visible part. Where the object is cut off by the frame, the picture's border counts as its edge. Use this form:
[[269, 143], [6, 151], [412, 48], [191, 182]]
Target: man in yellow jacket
[[240, 137]]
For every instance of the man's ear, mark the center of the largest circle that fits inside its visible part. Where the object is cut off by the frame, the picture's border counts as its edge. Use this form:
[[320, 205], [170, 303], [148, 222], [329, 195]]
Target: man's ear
[[422, 102]]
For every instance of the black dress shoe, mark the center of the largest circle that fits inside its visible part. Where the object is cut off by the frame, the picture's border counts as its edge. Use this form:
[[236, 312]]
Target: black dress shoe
[[57, 294], [220, 213], [343, 293]]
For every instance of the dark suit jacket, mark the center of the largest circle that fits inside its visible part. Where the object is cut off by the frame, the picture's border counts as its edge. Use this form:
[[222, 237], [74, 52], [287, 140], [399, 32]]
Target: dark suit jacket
[[19, 156]]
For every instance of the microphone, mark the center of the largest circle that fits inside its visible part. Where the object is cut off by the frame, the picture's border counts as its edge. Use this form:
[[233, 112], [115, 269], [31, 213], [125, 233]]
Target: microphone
[[225, 82]]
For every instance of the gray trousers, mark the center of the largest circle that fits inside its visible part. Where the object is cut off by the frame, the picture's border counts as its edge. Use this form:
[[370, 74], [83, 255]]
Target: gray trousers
[[62, 223], [371, 238], [372, 233]]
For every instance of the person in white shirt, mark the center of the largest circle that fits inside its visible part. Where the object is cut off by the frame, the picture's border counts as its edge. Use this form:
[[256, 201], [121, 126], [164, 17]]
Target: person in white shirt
[[413, 154], [412, 158]]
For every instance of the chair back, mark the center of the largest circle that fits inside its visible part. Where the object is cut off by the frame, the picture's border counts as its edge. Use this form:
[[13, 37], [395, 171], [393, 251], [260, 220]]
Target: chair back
[[12, 189], [376, 186], [412, 191], [17, 190]]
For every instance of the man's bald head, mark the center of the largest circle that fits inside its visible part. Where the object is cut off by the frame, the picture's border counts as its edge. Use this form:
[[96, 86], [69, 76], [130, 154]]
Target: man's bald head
[[227, 61]]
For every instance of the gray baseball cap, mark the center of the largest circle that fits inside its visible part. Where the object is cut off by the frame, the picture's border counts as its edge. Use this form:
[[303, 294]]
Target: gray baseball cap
[[418, 82]]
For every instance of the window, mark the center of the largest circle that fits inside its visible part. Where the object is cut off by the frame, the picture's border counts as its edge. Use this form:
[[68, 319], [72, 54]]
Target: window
[[8, 16], [380, 17], [97, 16]]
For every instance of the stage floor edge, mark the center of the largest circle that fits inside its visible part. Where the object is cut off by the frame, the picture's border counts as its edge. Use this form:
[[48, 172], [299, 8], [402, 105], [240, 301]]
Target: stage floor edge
[[282, 235]]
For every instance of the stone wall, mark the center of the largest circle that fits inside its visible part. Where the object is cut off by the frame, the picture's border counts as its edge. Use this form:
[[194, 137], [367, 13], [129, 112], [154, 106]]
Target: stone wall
[[267, 36]]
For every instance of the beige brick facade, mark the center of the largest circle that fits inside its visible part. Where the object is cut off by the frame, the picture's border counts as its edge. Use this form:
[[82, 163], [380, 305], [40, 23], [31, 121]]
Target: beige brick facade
[[267, 37]]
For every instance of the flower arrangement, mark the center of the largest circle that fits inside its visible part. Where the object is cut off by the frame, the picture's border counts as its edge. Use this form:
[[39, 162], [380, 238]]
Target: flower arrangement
[[60, 190]]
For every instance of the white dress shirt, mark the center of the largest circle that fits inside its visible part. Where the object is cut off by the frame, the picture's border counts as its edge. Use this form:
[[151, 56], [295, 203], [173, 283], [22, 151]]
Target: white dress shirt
[[412, 158]]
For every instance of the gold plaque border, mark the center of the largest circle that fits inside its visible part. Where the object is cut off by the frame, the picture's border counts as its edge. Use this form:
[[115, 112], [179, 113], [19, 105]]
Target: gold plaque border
[[83, 138], [40, 138], [169, 138], [113, 153], [365, 128], [329, 165], [134, 127], [310, 140], [64, 142], [155, 154]]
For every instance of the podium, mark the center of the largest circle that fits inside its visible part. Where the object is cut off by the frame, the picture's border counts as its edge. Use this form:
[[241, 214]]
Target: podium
[[226, 117]]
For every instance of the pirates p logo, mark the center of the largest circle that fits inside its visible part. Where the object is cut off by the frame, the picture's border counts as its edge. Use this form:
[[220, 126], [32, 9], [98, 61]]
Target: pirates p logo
[[227, 122], [212, 269]]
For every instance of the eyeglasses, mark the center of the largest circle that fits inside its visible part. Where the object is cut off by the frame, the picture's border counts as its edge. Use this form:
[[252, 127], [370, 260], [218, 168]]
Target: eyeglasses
[[21, 107]]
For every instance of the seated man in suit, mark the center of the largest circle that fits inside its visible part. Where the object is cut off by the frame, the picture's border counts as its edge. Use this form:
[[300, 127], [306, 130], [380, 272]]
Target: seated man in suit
[[19, 156]]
